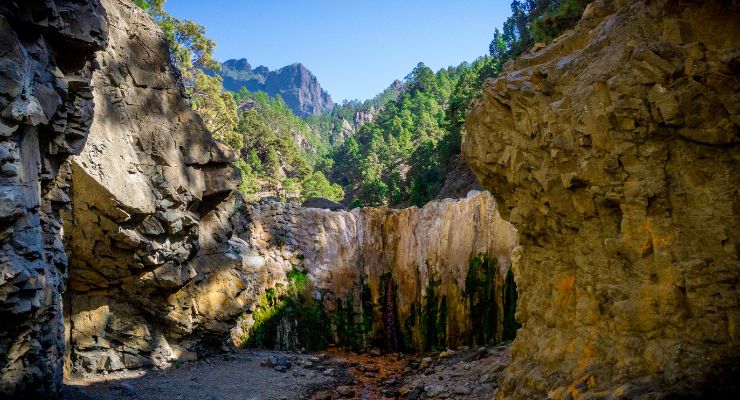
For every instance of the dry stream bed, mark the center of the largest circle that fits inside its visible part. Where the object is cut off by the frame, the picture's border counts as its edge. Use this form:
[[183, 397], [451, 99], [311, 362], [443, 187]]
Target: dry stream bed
[[333, 374]]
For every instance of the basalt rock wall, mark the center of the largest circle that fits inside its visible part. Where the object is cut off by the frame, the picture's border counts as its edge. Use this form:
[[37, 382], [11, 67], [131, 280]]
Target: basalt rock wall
[[614, 152], [106, 170], [46, 61]]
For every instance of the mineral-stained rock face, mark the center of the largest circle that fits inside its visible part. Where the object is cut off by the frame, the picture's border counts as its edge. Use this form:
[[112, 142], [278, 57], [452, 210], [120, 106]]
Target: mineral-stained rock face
[[615, 151], [46, 53], [148, 175], [411, 278]]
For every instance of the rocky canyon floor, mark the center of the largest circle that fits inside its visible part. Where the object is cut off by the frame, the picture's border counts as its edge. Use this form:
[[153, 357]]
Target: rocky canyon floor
[[333, 374]]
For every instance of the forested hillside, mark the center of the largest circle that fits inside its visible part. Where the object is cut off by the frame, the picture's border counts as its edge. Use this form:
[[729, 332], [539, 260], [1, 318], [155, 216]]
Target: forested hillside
[[279, 151], [404, 156], [396, 149]]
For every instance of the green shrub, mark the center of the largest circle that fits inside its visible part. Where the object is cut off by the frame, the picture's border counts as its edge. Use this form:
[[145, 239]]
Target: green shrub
[[295, 306], [552, 24]]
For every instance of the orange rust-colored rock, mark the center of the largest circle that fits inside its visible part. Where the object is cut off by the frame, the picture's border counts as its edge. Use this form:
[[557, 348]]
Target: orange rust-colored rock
[[615, 153]]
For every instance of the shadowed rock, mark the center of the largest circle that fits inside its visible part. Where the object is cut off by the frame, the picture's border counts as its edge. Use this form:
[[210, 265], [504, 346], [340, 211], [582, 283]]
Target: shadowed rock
[[46, 61]]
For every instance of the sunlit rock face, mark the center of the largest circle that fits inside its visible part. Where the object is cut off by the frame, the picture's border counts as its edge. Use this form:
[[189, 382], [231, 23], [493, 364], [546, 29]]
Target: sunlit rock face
[[614, 152], [46, 60], [409, 279], [142, 190]]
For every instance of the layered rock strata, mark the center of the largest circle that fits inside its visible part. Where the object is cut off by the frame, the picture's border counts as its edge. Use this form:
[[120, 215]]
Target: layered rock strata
[[46, 101], [614, 152]]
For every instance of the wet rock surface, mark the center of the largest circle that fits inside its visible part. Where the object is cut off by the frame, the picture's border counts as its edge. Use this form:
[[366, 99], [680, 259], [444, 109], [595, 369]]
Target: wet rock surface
[[614, 152], [143, 193], [401, 279]]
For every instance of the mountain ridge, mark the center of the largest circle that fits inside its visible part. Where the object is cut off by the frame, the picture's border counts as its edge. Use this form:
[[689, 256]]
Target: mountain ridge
[[295, 83]]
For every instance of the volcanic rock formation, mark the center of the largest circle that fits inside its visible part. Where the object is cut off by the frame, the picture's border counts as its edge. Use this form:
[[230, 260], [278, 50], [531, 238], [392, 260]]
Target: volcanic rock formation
[[409, 279], [46, 60], [614, 152], [150, 164]]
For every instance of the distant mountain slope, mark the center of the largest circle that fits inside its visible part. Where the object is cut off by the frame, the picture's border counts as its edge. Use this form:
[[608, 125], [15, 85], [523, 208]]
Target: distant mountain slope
[[347, 118], [295, 83]]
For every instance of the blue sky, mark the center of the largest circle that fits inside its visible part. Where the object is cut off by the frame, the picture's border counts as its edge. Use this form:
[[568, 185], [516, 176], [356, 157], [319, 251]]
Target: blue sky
[[355, 48]]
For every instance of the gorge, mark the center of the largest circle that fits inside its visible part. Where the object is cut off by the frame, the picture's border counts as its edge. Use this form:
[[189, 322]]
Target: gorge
[[606, 244]]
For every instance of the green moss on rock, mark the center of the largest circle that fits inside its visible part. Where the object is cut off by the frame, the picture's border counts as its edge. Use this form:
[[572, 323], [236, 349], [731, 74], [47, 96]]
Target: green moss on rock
[[434, 320], [510, 301], [291, 307], [480, 290]]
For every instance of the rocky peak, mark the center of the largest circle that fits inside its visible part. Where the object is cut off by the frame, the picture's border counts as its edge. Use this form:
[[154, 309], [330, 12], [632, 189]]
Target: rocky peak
[[240, 64], [295, 83]]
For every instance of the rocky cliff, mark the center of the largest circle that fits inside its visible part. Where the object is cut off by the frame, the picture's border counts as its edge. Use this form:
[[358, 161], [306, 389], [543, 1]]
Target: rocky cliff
[[46, 61], [131, 201], [614, 152], [411, 279], [146, 181], [295, 83]]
